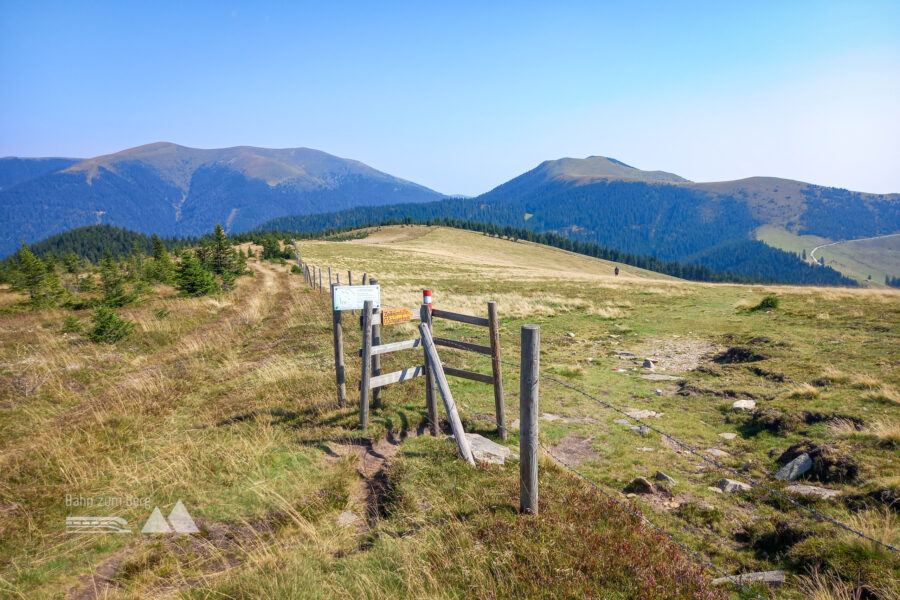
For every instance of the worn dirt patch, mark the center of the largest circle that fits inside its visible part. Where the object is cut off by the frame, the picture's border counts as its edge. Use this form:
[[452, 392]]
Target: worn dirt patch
[[374, 484], [677, 355], [575, 449]]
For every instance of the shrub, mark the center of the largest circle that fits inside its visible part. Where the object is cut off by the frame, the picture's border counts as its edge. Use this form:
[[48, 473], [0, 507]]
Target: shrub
[[109, 327], [767, 303], [71, 325], [193, 279]]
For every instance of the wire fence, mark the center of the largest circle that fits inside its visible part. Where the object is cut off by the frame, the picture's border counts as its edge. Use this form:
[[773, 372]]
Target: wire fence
[[625, 506], [753, 482]]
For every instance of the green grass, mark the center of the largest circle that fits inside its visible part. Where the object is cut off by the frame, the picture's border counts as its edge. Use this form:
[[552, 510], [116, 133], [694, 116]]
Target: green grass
[[228, 404]]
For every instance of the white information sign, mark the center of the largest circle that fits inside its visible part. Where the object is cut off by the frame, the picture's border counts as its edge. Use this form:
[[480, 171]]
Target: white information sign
[[353, 297]]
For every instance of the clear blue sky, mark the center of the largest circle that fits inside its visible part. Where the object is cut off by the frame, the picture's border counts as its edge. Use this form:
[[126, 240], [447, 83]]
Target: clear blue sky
[[464, 96]]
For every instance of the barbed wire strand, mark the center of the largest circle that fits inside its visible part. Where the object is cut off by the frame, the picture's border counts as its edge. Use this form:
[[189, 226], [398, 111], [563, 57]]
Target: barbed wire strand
[[818, 514]]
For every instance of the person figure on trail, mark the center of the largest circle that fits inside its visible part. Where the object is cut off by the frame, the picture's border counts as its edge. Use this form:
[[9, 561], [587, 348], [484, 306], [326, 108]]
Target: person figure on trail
[[617, 271]]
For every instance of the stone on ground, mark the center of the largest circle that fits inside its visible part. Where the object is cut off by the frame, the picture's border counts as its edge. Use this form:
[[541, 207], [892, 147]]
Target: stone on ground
[[812, 490], [773, 578], [730, 485], [485, 450], [795, 468], [641, 429], [660, 476], [639, 485], [640, 413], [743, 405], [717, 453], [347, 518], [728, 435], [648, 364]]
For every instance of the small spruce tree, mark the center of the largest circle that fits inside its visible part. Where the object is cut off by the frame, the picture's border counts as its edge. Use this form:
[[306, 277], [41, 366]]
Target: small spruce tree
[[193, 279], [108, 326]]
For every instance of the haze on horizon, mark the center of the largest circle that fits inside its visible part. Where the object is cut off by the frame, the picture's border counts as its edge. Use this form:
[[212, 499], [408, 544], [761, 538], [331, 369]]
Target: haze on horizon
[[462, 98]]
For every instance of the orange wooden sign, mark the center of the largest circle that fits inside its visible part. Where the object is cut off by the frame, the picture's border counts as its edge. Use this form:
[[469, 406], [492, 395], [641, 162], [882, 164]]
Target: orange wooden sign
[[395, 316]]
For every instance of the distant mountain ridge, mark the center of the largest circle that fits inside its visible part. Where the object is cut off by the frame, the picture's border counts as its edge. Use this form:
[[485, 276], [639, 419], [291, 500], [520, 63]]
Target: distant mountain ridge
[[169, 189]]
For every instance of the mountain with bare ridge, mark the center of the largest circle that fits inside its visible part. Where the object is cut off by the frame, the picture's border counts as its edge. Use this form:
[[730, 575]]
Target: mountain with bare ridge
[[169, 189]]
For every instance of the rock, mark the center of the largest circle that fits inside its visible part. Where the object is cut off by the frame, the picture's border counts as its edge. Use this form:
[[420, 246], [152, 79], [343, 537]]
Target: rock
[[795, 468], [660, 377], [730, 486], [347, 518], [746, 466], [717, 453], [811, 490], [570, 334], [728, 435], [485, 450], [743, 405], [773, 578], [660, 476], [644, 449], [714, 489], [622, 422], [638, 413], [648, 364], [641, 429], [639, 485], [659, 392], [514, 424], [550, 417]]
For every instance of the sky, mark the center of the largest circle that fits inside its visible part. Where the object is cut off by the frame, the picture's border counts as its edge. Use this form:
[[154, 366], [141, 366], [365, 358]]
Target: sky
[[460, 96]]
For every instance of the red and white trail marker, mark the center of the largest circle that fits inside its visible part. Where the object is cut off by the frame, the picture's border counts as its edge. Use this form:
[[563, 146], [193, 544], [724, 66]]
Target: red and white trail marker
[[426, 298]]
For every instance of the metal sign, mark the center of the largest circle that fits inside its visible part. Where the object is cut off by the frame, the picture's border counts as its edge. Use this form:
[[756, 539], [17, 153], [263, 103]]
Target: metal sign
[[395, 316], [353, 297]]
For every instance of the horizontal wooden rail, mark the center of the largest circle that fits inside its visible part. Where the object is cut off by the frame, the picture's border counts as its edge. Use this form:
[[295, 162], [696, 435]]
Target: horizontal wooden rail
[[452, 316], [396, 377], [466, 374], [462, 346], [395, 346]]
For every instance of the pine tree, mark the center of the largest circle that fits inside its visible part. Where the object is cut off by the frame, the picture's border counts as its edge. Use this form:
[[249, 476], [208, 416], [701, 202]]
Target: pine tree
[[109, 327], [193, 279], [162, 269], [111, 282], [136, 263], [221, 259], [34, 277]]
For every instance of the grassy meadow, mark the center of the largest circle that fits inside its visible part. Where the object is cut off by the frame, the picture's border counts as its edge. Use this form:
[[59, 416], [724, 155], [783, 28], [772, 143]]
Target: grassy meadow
[[228, 403]]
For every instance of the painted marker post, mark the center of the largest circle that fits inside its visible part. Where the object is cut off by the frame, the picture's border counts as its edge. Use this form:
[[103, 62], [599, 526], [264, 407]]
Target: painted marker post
[[430, 399], [528, 418]]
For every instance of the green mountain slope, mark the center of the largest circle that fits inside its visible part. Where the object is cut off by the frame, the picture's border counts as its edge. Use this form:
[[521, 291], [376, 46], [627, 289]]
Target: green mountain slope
[[174, 190]]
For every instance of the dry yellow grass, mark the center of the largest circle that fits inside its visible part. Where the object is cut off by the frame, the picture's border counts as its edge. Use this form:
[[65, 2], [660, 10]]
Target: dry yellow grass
[[885, 394], [804, 391], [820, 586]]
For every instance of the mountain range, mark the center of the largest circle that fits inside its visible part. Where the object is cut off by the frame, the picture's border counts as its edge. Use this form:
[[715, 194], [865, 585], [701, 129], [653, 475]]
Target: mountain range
[[174, 190]]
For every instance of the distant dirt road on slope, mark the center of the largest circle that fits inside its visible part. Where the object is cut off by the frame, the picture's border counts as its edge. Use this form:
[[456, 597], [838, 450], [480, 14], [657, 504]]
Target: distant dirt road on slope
[[812, 254]]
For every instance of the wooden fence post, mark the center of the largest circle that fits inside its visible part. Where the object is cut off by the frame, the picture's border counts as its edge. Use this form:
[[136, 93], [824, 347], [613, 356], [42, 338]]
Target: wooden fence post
[[364, 279], [320, 280], [528, 418], [366, 365], [349, 277], [494, 328], [330, 281], [430, 400], [337, 324], [376, 360], [462, 442]]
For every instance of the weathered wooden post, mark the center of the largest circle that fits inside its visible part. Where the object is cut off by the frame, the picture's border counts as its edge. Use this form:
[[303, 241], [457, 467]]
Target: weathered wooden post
[[462, 442], [349, 277], [376, 360], [320, 280], [366, 365], [528, 418], [330, 281], [337, 324], [494, 328], [364, 279], [430, 400], [337, 277]]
